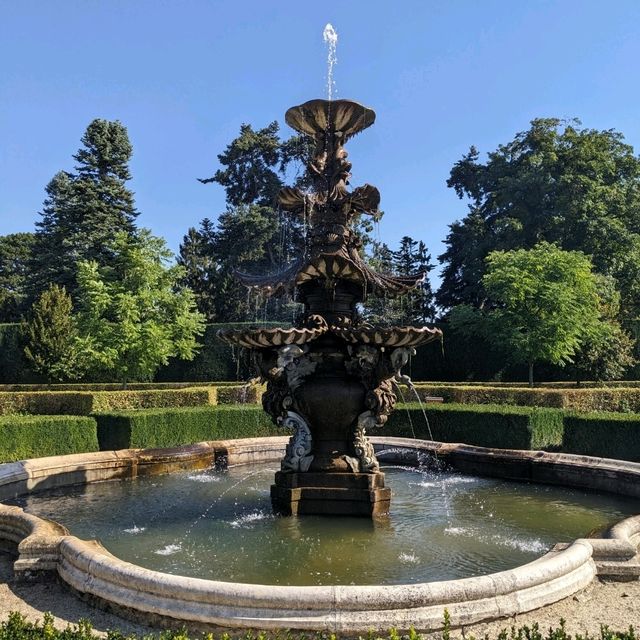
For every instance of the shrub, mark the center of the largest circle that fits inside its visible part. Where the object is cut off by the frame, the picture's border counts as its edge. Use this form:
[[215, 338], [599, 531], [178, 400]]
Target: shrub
[[47, 403], [588, 399], [606, 435], [85, 402], [24, 437], [153, 398], [240, 394], [173, 427], [495, 426], [16, 627]]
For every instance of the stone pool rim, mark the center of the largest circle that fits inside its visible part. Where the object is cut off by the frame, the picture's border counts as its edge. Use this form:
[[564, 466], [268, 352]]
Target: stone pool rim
[[46, 550]]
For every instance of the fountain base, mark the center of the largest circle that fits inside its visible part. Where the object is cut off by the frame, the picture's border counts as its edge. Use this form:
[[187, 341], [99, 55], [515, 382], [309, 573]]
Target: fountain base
[[346, 494]]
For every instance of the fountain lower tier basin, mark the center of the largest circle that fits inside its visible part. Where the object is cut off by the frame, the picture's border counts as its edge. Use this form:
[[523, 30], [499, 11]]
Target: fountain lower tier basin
[[478, 545]]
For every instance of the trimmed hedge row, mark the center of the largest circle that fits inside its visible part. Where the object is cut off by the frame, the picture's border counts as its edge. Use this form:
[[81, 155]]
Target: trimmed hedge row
[[608, 435], [82, 403], [88, 402], [495, 426], [173, 427], [24, 437], [584, 400]]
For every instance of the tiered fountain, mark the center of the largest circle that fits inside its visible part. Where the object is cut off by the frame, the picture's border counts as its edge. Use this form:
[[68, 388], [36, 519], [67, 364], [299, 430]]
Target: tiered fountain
[[331, 378]]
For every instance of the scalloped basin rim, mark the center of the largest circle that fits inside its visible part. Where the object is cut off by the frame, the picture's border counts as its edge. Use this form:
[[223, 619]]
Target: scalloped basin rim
[[380, 336]]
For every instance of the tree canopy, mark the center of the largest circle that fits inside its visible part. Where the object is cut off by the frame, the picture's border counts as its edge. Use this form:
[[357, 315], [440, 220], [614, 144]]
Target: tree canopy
[[134, 315], [556, 182], [84, 209], [545, 304], [15, 259]]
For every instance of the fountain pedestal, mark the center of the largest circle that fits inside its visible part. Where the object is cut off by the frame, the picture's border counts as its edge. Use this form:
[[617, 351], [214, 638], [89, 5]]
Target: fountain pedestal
[[330, 378], [349, 494]]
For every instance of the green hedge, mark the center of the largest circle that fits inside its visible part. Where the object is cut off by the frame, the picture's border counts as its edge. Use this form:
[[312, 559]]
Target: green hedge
[[83, 403], [607, 435], [173, 427], [496, 426], [589, 399], [24, 437]]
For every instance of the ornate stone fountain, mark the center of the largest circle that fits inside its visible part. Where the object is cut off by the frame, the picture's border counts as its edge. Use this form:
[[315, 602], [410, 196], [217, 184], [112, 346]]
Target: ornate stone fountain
[[332, 377]]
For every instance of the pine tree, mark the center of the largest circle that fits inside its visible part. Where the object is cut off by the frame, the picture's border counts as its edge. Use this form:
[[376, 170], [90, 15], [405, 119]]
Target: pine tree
[[200, 266], [49, 336], [15, 259], [84, 210]]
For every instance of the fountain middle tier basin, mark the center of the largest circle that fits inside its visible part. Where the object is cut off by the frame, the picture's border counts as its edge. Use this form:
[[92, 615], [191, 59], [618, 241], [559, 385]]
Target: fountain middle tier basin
[[201, 545]]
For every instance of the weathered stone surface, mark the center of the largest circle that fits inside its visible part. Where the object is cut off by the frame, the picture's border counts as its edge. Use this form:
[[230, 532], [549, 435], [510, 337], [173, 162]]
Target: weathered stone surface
[[44, 548]]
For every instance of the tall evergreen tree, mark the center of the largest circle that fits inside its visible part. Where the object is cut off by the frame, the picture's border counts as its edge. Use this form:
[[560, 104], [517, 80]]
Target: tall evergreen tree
[[15, 259], [49, 336], [253, 234], [84, 210], [200, 265]]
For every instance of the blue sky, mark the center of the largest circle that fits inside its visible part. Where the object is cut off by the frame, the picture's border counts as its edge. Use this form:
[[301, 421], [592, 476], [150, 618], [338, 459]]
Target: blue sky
[[182, 76]]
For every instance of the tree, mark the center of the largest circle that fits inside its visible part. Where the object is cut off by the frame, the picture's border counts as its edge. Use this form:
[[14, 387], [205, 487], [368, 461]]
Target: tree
[[134, 315], [556, 182], [84, 210], [253, 234], [49, 335], [607, 353], [197, 258], [15, 257], [545, 303], [415, 307]]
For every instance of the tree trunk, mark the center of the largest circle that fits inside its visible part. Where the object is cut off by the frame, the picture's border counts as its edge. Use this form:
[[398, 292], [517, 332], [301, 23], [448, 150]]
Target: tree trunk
[[531, 374]]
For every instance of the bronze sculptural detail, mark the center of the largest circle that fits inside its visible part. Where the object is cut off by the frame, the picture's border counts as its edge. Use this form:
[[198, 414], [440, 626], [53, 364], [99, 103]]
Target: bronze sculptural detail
[[332, 377]]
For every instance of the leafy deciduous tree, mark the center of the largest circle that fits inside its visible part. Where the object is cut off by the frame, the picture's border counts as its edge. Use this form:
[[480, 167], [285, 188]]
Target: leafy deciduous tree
[[556, 182], [134, 315], [545, 304]]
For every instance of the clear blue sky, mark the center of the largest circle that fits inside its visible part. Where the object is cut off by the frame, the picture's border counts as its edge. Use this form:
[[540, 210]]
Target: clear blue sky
[[183, 75]]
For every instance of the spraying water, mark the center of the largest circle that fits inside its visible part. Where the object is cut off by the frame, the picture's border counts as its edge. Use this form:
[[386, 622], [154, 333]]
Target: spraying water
[[330, 36]]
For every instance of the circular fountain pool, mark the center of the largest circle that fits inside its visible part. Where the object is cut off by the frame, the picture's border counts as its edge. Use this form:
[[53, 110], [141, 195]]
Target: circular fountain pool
[[219, 525]]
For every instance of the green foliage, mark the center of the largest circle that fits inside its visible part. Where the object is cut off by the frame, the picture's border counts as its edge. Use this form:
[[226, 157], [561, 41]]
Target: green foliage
[[608, 351], [173, 427], [607, 435], [15, 257], [84, 210], [557, 182], [546, 302], [16, 627], [415, 307], [618, 399], [14, 367], [46, 403], [85, 402], [134, 316], [497, 426], [252, 235], [50, 336], [23, 437]]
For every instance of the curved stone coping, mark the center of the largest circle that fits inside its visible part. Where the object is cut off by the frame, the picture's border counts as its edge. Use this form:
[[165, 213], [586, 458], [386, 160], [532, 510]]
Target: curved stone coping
[[95, 573], [88, 568]]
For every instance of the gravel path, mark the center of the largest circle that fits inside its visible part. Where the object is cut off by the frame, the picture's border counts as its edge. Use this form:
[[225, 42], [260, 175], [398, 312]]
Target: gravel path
[[617, 604]]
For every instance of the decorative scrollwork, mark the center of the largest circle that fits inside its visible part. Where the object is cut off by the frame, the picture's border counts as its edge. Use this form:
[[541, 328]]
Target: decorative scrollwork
[[367, 461], [298, 453]]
